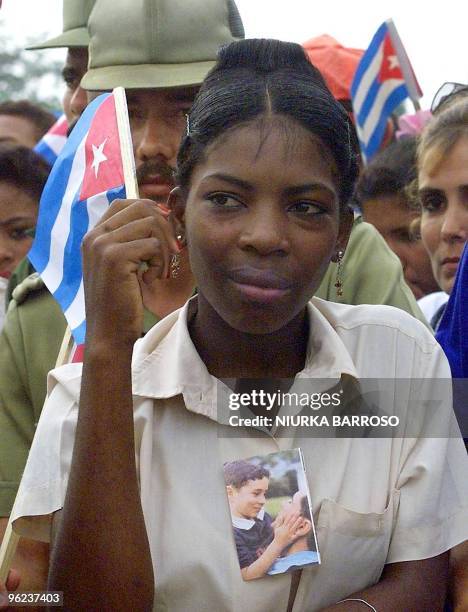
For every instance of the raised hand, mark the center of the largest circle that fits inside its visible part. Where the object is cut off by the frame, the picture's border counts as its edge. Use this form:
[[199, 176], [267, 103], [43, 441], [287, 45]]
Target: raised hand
[[131, 246]]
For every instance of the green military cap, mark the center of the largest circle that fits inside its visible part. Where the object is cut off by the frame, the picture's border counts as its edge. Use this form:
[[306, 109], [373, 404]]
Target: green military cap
[[75, 31], [157, 43]]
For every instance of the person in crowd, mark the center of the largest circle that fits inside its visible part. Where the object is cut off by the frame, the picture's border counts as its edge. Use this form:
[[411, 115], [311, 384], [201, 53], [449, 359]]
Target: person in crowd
[[264, 176], [158, 99], [23, 175], [441, 192], [381, 195], [23, 122], [74, 38]]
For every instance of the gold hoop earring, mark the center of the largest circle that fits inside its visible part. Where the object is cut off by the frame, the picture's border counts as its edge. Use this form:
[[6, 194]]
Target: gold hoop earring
[[339, 279]]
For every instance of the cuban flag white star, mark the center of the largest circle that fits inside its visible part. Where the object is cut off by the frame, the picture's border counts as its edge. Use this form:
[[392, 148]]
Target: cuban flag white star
[[393, 62], [99, 157]]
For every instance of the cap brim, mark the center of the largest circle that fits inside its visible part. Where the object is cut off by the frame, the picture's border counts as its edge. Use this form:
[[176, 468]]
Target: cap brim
[[146, 76], [78, 37]]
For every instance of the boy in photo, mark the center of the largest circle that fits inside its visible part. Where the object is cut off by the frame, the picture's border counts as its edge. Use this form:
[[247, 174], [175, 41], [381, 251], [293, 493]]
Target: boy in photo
[[259, 540]]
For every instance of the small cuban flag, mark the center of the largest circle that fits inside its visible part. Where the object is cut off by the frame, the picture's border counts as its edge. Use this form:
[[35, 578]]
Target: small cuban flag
[[93, 169], [383, 79], [51, 144]]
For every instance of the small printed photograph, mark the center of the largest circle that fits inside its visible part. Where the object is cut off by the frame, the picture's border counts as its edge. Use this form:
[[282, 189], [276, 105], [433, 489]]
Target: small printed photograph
[[271, 516]]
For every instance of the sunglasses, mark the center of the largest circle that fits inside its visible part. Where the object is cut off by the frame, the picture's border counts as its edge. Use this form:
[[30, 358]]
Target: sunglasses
[[446, 92]]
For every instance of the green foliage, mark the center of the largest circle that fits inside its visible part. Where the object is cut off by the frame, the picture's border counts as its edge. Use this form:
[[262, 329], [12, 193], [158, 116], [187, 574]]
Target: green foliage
[[29, 75], [274, 505]]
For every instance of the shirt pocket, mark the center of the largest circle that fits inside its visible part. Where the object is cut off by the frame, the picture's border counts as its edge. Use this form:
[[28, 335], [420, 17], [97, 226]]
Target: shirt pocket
[[354, 545]]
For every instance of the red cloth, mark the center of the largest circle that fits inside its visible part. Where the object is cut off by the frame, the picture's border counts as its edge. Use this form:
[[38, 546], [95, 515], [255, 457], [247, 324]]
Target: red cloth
[[336, 63]]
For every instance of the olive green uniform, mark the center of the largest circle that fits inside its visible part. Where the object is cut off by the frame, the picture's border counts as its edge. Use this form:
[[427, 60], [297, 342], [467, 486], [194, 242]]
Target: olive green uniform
[[35, 326]]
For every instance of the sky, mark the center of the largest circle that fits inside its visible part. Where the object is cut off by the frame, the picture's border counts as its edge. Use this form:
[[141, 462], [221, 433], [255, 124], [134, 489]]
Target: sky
[[434, 35]]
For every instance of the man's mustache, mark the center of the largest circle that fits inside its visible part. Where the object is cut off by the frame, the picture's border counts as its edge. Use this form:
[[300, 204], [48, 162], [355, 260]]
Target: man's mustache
[[151, 169]]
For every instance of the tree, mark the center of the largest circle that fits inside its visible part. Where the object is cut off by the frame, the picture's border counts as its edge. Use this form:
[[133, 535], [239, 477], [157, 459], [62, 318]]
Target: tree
[[28, 75]]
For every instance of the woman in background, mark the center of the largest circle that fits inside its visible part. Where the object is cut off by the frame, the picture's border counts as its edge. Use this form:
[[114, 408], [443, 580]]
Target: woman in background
[[443, 193], [23, 175]]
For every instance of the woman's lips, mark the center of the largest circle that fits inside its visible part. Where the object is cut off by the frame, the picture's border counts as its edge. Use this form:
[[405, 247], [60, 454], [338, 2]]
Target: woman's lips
[[450, 264], [5, 274], [263, 286]]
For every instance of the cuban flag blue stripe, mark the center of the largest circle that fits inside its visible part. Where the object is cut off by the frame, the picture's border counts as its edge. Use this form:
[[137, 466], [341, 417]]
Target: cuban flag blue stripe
[[51, 199], [368, 102], [79, 333], [51, 202], [43, 149], [77, 194], [395, 98], [79, 224], [71, 273], [368, 57]]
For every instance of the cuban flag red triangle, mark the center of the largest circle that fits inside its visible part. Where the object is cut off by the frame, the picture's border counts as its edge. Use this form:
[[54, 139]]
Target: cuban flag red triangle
[[103, 169], [390, 68]]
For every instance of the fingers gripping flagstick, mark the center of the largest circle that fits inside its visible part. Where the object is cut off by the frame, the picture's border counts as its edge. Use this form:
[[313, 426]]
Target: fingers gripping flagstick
[[95, 167]]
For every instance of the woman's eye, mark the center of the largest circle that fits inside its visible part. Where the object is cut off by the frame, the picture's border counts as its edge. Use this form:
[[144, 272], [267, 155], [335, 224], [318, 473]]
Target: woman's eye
[[306, 208], [431, 203], [223, 200], [21, 234]]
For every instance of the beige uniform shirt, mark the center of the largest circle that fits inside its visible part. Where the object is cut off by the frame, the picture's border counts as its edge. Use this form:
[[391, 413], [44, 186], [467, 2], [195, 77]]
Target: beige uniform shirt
[[375, 501]]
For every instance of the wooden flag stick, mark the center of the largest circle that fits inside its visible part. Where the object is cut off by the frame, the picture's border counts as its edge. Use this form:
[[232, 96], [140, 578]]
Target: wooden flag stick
[[126, 145], [7, 551], [10, 538]]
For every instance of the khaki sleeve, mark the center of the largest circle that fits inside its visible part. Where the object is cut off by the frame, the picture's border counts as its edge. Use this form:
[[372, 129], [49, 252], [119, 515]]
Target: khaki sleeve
[[29, 344], [371, 274], [16, 412]]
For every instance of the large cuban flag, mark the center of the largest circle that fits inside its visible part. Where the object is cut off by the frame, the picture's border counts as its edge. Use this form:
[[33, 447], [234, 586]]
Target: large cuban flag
[[51, 144], [383, 79], [87, 176]]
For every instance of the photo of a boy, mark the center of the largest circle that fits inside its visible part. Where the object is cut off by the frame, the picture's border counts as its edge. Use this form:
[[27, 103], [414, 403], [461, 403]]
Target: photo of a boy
[[259, 540]]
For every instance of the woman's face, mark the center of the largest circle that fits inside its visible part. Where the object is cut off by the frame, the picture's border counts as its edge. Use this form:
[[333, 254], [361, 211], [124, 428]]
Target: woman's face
[[444, 222], [262, 223], [18, 213]]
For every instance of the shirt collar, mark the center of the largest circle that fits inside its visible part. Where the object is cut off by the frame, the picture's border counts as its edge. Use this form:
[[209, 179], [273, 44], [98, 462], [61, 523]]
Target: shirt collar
[[243, 523], [166, 362]]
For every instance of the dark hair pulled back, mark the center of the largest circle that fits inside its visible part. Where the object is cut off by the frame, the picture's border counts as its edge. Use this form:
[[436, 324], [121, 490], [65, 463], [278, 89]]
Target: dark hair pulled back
[[256, 77]]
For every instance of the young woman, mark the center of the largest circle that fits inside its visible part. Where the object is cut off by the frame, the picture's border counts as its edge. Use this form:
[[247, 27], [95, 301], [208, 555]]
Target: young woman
[[443, 192], [264, 176], [22, 178]]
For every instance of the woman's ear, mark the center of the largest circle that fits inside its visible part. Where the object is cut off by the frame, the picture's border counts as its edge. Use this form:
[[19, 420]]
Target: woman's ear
[[346, 225], [176, 204]]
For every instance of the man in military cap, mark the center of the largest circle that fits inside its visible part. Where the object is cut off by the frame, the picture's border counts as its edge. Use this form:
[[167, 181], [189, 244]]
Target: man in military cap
[[75, 39]]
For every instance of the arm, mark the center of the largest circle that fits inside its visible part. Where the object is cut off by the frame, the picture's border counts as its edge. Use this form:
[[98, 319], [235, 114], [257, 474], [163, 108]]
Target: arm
[[285, 534], [419, 586], [459, 577], [109, 566]]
